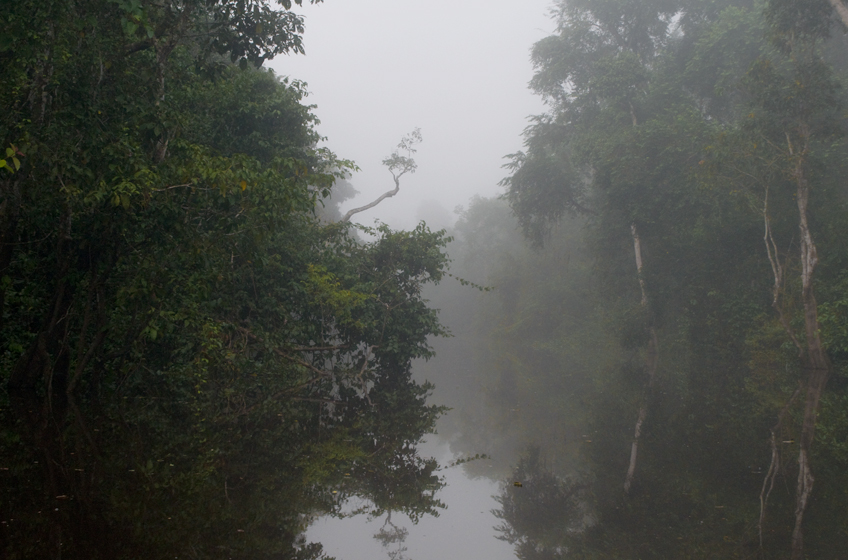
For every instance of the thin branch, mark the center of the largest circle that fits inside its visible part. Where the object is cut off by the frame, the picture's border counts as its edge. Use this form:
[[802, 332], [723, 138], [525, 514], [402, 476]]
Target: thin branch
[[280, 353], [320, 348], [139, 46], [319, 400], [279, 394], [181, 187]]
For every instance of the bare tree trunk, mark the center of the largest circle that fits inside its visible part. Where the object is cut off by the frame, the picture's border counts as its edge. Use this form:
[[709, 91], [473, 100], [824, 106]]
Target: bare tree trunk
[[816, 364], [774, 466], [9, 216], [637, 251], [163, 49], [777, 288], [841, 11], [651, 357]]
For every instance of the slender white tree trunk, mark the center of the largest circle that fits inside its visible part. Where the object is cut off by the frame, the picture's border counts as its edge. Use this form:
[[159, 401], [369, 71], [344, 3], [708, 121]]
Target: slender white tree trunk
[[815, 362], [841, 10], [651, 356]]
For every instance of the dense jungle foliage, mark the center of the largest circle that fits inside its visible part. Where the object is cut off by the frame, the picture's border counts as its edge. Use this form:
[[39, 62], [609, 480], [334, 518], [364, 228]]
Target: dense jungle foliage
[[676, 342], [192, 363]]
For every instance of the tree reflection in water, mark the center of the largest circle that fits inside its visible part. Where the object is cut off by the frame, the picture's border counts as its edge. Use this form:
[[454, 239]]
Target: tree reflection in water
[[390, 535], [541, 512], [249, 497]]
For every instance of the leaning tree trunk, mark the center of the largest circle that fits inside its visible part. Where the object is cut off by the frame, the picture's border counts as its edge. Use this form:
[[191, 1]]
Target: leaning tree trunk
[[651, 356]]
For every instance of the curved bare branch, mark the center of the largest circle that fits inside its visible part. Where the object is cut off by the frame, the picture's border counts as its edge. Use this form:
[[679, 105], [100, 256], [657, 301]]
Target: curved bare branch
[[398, 165]]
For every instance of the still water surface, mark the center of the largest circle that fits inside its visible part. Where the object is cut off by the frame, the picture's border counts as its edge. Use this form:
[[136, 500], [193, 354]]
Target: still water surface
[[465, 529]]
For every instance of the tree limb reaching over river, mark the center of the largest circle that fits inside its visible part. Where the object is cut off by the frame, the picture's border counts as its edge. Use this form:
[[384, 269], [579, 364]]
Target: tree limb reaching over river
[[398, 166]]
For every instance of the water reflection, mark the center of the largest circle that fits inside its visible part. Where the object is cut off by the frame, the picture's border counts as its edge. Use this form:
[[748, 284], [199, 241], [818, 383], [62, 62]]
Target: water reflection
[[392, 537], [149, 480], [540, 511], [464, 528]]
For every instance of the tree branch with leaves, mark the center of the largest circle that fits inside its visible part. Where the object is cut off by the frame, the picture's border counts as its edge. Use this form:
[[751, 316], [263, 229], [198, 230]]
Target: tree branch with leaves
[[399, 165]]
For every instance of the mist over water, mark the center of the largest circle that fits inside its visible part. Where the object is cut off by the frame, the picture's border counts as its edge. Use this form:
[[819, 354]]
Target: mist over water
[[553, 280]]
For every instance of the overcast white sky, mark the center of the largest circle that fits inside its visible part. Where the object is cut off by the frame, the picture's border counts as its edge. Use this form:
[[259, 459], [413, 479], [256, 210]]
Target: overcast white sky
[[458, 69]]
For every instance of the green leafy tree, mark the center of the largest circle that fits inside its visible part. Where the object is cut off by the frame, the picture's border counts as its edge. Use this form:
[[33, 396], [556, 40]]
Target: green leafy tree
[[192, 363], [791, 139], [664, 132]]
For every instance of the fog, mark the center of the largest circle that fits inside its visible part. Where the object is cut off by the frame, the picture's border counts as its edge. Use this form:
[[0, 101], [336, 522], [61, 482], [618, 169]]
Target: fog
[[377, 69], [629, 343]]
